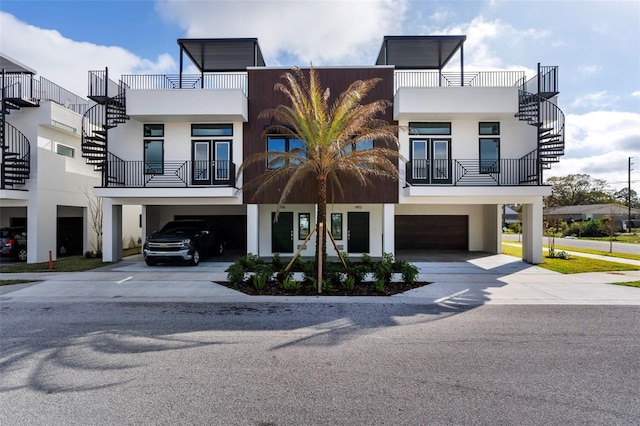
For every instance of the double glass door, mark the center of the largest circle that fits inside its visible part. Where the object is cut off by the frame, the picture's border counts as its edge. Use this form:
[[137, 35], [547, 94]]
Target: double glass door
[[211, 162], [431, 161]]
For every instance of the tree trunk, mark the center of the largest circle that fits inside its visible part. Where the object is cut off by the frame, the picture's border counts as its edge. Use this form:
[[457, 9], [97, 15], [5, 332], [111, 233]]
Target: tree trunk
[[321, 251]]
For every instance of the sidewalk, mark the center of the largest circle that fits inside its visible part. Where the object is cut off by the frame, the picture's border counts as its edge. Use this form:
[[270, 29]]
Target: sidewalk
[[496, 279]]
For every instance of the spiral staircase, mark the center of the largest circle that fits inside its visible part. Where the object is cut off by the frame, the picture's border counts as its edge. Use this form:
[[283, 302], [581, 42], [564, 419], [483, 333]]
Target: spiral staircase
[[109, 111], [537, 107], [16, 149]]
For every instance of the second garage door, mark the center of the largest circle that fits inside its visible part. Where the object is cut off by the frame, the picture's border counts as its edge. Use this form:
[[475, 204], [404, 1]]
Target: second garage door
[[433, 232]]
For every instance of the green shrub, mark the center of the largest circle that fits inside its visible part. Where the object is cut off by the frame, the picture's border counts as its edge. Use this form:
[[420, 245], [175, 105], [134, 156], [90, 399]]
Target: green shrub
[[345, 257], [235, 273], [409, 273], [378, 286], [289, 284], [384, 268], [334, 273], [276, 262], [262, 275], [250, 262], [309, 271], [358, 272], [366, 259], [349, 283]]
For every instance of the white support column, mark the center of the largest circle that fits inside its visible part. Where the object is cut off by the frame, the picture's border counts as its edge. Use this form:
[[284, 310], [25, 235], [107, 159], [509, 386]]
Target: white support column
[[111, 231], [492, 227], [532, 231], [253, 230], [388, 229]]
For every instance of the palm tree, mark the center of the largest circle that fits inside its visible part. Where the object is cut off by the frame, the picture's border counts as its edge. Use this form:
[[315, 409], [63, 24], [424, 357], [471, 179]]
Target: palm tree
[[335, 141]]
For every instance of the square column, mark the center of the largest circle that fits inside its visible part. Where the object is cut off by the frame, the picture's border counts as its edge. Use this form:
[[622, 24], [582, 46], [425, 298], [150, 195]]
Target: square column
[[532, 232], [253, 229], [388, 229], [492, 228], [111, 231]]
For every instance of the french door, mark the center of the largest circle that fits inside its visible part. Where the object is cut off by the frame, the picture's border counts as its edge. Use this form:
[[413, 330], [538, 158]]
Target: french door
[[431, 160], [211, 161]]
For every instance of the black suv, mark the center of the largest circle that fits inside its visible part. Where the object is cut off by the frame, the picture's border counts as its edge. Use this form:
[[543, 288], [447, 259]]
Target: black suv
[[183, 241], [13, 242]]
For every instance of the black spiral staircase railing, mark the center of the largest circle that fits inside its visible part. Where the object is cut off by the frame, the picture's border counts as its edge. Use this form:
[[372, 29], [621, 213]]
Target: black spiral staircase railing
[[537, 108], [109, 111], [16, 149]]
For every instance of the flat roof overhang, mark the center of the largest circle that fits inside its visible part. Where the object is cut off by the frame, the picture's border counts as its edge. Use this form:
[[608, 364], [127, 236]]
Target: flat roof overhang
[[222, 54], [420, 52]]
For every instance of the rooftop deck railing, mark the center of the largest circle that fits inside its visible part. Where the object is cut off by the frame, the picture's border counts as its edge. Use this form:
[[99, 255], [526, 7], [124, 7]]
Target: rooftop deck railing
[[29, 88], [187, 81], [445, 79]]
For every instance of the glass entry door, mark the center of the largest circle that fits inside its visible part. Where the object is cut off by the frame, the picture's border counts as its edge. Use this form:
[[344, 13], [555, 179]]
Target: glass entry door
[[223, 160], [430, 161], [201, 162]]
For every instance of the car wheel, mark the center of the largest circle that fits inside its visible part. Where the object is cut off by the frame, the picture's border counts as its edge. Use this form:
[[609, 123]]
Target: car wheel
[[22, 255], [150, 262], [195, 258], [220, 250]]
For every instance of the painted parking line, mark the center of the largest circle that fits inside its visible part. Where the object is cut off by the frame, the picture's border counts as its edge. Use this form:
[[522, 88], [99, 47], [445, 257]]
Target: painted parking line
[[124, 280]]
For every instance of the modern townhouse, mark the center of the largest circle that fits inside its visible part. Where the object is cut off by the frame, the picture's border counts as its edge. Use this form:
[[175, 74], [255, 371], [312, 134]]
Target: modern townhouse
[[472, 141], [46, 186]]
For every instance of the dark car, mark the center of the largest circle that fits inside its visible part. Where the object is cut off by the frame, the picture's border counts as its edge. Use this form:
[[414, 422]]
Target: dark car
[[13, 243], [183, 241]]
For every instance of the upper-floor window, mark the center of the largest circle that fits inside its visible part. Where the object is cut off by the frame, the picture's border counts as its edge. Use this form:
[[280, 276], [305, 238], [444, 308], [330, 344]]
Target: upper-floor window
[[199, 130], [489, 128], [489, 147], [65, 150], [277, 144], [429, 128], [153, 148], [359, 146]]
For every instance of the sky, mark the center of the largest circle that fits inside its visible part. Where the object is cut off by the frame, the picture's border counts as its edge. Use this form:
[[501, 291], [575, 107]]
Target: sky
[[595, 44]]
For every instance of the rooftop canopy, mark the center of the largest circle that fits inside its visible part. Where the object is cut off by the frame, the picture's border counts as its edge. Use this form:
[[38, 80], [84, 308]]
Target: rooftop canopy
[[420, 52], [222, 54], [10, 65]]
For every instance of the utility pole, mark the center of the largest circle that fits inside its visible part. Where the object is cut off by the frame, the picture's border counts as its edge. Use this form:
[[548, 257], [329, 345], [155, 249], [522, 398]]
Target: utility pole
[[629, 198]]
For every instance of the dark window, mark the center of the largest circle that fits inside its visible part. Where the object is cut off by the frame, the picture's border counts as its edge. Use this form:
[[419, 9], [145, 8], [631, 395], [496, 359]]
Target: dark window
[[430, 128], [304, 223], [489, 128], [277, 144], [212, 130], [153, 131], [489, 155], [336, 225], [153, 157]]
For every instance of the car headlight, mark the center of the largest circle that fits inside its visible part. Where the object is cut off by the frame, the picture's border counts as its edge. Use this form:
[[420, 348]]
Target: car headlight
[[186, 243]]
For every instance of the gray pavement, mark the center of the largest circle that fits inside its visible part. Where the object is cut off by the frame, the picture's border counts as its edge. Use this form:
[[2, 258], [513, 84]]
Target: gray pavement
[[491, 279]]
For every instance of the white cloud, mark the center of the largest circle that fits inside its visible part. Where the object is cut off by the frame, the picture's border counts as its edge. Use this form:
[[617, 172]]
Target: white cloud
[[323, 32], [65, 61], [599, 144], [597, 100], [589, 69], [636, 93]]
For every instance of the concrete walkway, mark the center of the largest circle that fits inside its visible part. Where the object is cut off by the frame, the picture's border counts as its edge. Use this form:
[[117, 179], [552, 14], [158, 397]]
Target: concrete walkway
[[495, 279]]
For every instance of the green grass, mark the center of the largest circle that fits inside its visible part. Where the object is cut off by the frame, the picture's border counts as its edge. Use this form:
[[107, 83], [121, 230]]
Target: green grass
[[575, 265], [629, 284], [589, 251], [65, 264], [11, 282]]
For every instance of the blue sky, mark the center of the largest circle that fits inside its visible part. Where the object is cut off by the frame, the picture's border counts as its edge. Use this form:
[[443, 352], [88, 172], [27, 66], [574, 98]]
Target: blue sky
[[596, 44]]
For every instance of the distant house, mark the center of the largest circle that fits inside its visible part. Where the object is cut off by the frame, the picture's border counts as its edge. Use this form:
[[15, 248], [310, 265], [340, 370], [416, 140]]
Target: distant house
[[593, 211]]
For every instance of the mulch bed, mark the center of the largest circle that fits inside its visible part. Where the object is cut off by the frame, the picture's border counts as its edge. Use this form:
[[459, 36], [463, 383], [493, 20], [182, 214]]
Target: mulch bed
[[272, 288]]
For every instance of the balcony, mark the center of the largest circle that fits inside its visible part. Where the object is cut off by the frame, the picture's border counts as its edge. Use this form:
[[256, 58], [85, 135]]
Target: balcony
[[170, 174], [503, 172], [452, 79]]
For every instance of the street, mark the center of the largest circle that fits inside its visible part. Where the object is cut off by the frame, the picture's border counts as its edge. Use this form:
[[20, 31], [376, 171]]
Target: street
[[586, 244], [288, 364]]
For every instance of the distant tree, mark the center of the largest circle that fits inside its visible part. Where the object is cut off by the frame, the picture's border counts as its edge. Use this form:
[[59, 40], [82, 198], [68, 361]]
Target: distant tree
[[578, 189], [621, 197]]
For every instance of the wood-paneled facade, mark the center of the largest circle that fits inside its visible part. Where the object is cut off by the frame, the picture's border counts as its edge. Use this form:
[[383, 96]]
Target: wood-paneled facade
[[262, 96]]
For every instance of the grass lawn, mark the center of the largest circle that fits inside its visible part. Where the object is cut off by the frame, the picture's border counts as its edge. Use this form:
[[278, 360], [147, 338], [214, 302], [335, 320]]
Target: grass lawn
[[589, 251], [575, 265], [629, 284], [622, 238], [65, 264]]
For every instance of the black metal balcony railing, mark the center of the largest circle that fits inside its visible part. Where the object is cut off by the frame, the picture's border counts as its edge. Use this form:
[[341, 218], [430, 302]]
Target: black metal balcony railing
[[187, 81], [169, 174], [27, 87], [472, 79], [473, 172]]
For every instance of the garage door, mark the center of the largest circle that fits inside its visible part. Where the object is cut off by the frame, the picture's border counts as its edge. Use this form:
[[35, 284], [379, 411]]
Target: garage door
[[432, 232], [234, 227]]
